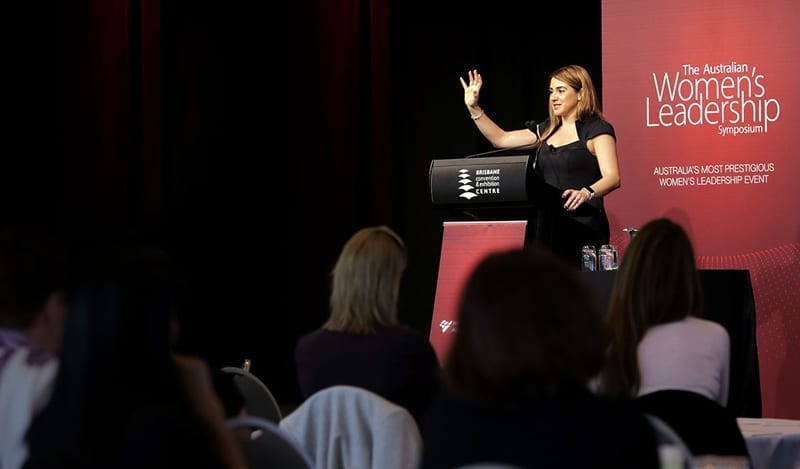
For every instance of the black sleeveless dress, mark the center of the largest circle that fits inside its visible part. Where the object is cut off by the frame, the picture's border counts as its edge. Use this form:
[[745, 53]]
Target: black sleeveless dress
[[571, 166]]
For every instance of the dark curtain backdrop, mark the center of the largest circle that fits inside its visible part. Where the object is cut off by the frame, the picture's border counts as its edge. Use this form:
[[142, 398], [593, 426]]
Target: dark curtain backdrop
[[251, 142], [82, 132]]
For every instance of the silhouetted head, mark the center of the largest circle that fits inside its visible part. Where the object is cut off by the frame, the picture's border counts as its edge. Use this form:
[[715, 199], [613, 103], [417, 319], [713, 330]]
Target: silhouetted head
[[657, 283], [34, 279], [527, 327], [32, 267], [366, 281]]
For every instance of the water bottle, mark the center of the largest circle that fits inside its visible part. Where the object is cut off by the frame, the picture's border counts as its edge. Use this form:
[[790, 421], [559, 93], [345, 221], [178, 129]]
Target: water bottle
[[608, 257], [588, 258]]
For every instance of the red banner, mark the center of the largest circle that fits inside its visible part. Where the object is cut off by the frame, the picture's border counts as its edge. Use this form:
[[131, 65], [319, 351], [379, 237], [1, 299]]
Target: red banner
[[704, 100]]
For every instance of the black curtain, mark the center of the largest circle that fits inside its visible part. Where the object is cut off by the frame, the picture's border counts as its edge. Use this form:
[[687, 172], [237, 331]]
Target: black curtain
[[252, 141]]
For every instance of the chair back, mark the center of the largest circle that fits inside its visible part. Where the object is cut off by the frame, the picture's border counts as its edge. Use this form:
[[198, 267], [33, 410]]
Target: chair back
[[672, 450], [347, 426], [258, 399], [702, 423], [266, 446]]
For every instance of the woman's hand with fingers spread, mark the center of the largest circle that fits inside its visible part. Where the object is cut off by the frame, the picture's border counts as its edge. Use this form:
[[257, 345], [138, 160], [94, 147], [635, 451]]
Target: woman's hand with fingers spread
[[472, 89]]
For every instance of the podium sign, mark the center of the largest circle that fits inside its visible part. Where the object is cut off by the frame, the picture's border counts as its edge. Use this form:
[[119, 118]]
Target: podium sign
[[465, 182], [464, 245]]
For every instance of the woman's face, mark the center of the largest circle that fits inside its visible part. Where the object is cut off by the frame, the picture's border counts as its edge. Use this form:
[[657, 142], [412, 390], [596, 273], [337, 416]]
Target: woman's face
[[563, 98]]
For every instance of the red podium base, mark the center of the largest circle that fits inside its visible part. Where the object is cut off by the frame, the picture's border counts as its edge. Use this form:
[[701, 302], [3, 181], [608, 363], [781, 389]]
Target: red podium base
[[464, 244]]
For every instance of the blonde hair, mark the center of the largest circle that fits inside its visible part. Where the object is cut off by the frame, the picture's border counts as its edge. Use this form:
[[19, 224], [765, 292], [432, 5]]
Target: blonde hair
[[578, 79], [366, 281]]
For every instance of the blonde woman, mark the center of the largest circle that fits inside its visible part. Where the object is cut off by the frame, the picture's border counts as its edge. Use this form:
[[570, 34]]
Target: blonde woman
[[362, 343]]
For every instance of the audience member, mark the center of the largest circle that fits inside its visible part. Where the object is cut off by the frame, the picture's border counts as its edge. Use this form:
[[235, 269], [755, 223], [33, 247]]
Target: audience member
[[516, 380], [659, 340], [362, 343], [33, 282], [122, 398]]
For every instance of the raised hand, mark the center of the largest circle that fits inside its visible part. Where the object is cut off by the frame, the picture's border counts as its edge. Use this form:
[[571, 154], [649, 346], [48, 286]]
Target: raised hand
[[473, 89]]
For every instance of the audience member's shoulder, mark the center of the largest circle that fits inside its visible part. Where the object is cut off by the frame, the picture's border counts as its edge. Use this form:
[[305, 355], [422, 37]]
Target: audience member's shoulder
[[311, 337], [706, 324], [690, 325], [404, 337], [388, 336], [402, 332]]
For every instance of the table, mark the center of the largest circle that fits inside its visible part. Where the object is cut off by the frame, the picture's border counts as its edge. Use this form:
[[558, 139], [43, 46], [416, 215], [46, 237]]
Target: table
[[772, 443]]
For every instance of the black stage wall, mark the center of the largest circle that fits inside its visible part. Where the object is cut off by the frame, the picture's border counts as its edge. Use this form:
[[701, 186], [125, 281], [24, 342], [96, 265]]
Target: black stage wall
[[251, 142]]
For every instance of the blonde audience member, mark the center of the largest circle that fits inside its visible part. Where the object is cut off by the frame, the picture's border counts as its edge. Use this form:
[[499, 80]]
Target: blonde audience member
[[363, 343]]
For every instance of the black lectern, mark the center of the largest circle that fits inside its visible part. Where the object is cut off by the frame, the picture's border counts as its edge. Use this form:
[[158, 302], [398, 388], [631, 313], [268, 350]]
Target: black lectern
[[504, 187], [483, 185], [488, 181]]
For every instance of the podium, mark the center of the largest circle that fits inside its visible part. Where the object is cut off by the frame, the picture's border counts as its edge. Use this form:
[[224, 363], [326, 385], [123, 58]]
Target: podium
[[496, 181], [495, 187], [501, 205]]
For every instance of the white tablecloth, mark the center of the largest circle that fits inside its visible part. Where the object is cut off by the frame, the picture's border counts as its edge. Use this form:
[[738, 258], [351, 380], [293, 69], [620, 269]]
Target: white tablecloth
[[772, 443]]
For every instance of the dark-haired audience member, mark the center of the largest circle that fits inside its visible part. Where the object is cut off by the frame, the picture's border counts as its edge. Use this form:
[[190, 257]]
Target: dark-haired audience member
[[362, 343], [122, 397], [659, 341], [32, 313], [516, 379]]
